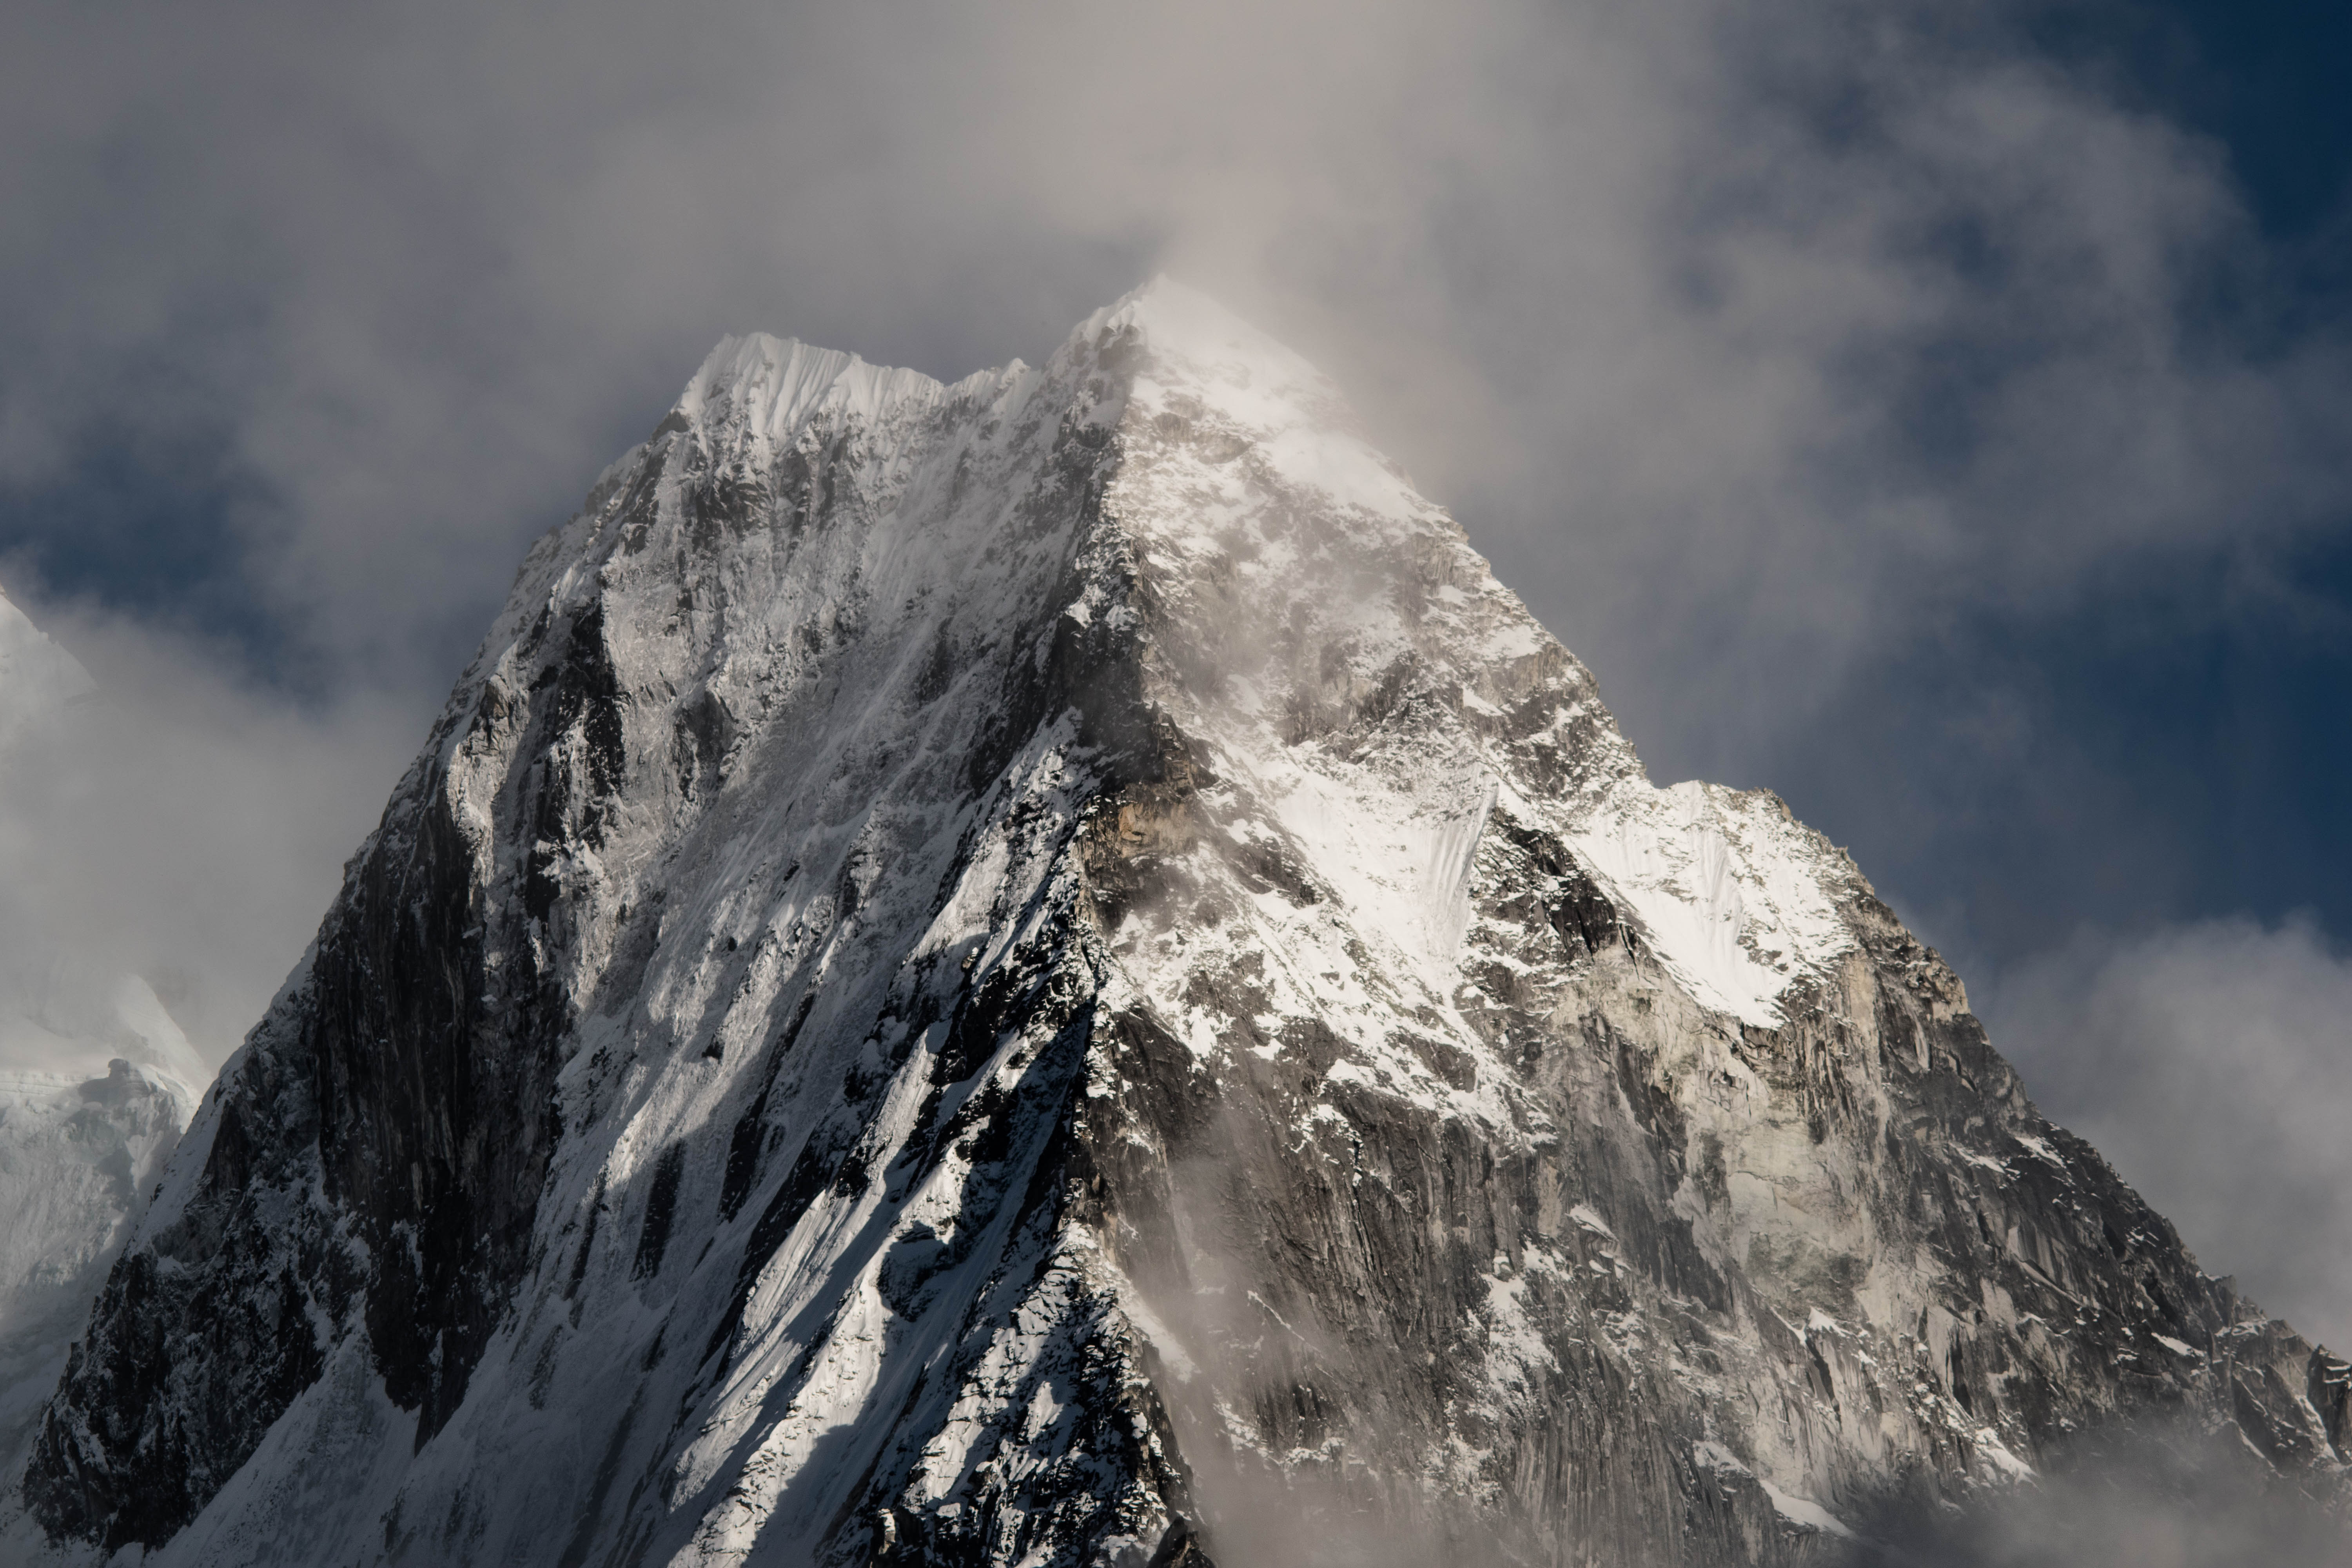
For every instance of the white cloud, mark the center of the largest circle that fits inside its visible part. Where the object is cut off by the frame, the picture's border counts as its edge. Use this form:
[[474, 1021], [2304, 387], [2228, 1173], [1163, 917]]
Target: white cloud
[[2211, 1063], [173, 826]]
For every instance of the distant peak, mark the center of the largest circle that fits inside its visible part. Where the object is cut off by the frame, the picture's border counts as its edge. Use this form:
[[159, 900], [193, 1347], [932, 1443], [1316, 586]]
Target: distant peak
[[33, 670]]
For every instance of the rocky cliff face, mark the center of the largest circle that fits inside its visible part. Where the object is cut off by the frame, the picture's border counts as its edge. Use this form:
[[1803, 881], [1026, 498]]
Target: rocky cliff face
[[1049, 970]]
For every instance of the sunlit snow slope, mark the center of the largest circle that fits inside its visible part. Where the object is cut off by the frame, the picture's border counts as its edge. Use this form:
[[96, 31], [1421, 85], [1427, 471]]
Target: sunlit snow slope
[[1049, 970]]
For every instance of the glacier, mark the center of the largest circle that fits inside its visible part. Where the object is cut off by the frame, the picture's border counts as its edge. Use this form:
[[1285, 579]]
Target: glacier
[[1049, 970]]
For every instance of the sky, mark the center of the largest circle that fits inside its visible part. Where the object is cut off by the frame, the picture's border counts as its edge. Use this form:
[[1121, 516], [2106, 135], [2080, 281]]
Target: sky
[[1939, 415]]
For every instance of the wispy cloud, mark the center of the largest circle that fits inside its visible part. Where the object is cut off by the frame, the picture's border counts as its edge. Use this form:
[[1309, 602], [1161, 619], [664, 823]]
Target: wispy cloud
[[2152, 1495], [176, 826], [2212, 1065], [1745, 346]]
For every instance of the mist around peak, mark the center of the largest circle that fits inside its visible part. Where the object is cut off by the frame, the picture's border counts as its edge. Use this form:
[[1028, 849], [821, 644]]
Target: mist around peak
[[2160, 1496]]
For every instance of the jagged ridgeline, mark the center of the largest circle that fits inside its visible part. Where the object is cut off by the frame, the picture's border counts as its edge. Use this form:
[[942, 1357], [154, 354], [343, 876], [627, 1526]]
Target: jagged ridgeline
[[1049, 970]]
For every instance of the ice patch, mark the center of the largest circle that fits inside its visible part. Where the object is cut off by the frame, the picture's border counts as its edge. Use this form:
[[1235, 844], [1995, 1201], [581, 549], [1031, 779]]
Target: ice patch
[[1994, 1452], [1797, 1510], [1804, 1511], [2039, 1148], [1729, 889], [1401, 864]]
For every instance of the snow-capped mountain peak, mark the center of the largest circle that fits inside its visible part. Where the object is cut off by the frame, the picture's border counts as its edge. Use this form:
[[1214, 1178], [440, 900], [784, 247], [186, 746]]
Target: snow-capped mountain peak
[[1049, 970]]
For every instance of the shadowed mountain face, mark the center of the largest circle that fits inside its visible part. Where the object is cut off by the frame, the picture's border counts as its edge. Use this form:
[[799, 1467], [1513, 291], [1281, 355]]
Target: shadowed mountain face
[[1049, 970]]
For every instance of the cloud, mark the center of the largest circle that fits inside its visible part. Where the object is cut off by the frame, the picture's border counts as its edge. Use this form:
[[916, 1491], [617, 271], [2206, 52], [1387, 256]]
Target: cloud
[[2167, 1496], [2211, 1064], [173, 826], [1746, 346]]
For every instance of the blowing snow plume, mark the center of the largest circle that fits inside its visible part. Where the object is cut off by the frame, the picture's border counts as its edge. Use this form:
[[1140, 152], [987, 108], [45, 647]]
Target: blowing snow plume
[[1024, 972]]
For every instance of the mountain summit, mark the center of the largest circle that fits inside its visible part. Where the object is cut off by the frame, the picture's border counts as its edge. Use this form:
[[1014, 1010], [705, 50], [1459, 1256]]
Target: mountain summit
[[1048, 971]]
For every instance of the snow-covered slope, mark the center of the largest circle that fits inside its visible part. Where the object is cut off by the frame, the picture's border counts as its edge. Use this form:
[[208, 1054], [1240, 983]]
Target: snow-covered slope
[[77, 1157], [1049, 970]]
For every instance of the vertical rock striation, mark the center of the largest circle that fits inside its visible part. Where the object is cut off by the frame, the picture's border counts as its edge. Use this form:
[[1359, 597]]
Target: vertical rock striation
[[1049, 970]]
